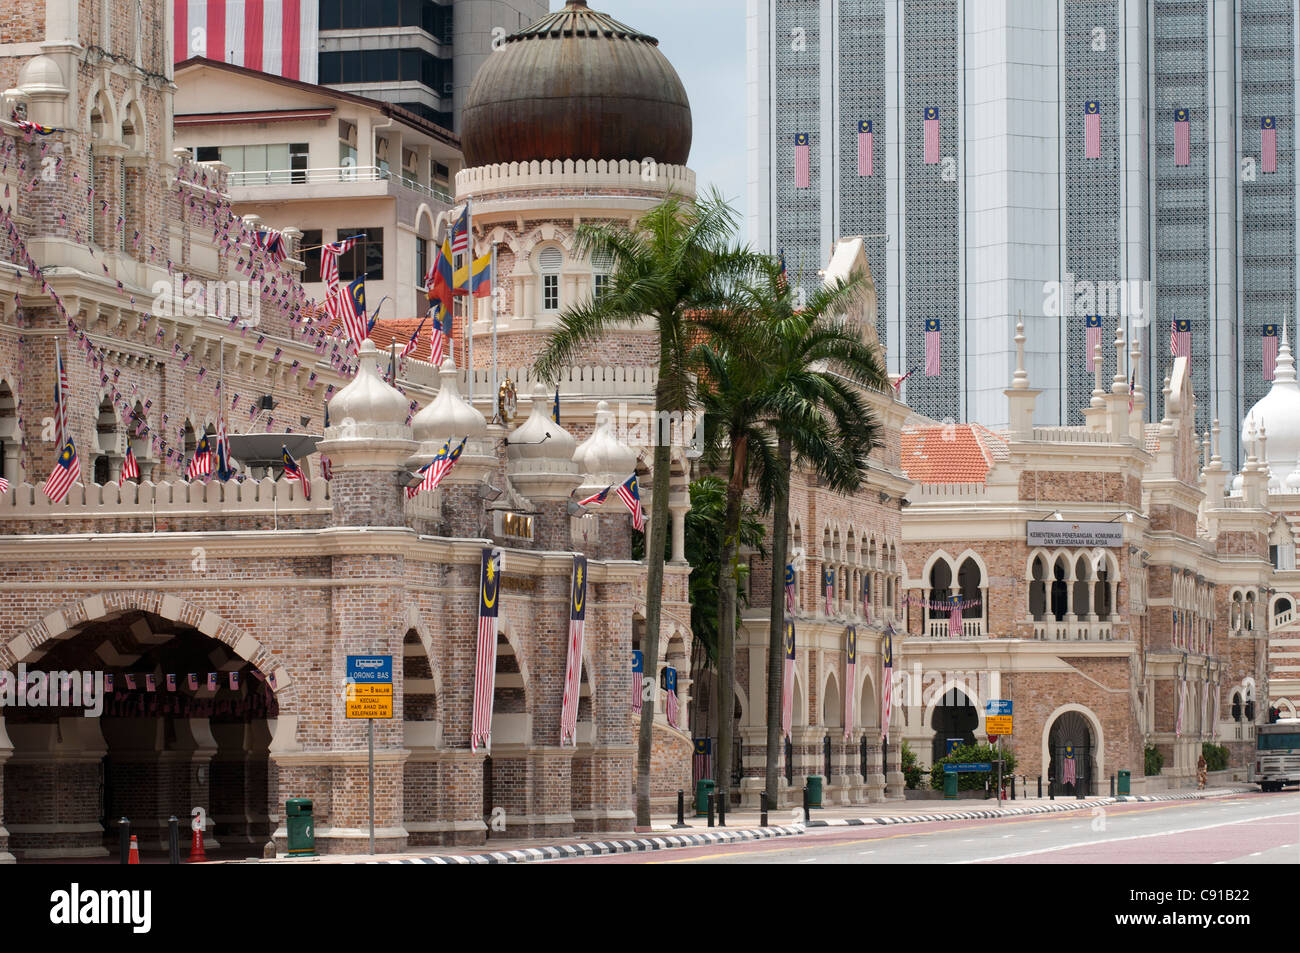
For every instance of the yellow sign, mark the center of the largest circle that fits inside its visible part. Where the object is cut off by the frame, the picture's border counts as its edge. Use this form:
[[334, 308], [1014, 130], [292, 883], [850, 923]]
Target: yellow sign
[[369, 701], [997, 725]]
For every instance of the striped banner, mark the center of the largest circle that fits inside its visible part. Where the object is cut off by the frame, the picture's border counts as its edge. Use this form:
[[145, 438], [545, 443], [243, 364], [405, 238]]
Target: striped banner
[[573, 668], [850, 678], [802, 161], [787, 682], [281, 37], [866, 148], [485, 660], [1092, 130]]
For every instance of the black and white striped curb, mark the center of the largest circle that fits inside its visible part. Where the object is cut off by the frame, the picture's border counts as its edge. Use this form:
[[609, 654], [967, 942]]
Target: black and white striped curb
[[598, 848], [1056, 807]]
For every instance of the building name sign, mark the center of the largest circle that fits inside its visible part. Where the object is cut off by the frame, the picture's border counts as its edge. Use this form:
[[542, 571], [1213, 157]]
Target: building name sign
[[1062, 533]]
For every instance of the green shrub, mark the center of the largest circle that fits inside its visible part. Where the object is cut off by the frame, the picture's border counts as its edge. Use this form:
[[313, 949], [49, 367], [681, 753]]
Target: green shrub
[[1152, 760], [911, 770], [973, 780], [1216, 756]]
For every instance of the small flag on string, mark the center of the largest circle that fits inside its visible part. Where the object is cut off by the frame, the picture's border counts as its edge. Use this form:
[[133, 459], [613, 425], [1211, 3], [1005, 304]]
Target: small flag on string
[[212, 681]]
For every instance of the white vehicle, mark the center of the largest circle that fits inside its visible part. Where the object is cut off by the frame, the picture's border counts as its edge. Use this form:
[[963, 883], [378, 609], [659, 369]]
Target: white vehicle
[[1277, 754]]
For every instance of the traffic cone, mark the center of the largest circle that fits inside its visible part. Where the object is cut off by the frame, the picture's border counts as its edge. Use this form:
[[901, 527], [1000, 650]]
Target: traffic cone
[[197, 856], [134, 856]]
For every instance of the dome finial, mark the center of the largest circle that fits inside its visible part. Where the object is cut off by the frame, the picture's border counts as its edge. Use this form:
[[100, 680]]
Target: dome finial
[[1020, 380]]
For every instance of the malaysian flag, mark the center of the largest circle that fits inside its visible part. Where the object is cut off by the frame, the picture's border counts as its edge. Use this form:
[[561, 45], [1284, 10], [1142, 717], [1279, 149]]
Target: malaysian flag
[[866, 598], [201, 463], [130, 681], [66, 472], [670, 696], [954, 618], [353, 310], [631, 497], [60, 399], [573, 669], [787, 681], [411, 345], [460, 232], [596, 498], [638, 679], [1093, 323], [886, 682], [224, 470], [1268, 143], [1069, 772], [1180, 337], [802, 161], [326, 467], [151, 682], [329, 263], [931, 135], [212, 681], [193, 681], [485, 664], [828, 583], [1092, 130], [789, 587], [234, 681], [850, 677], [272, 243], [1182, 137], [702, 763], [437, 468], [280, 37], [294, 472], [866, 148], [4, 485], [130, 468], [782, 278], [1182, 704], [1270, 351], [171, 683], [931, 347], [441, 335]]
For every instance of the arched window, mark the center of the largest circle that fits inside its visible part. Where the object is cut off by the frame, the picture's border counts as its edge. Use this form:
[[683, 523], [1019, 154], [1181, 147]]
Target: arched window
[[1060, 590], [940, 589], [9, 437], [549, 263], [968, 581], [1038, 590], [1081, 601], [602, 268], [1102, 595]]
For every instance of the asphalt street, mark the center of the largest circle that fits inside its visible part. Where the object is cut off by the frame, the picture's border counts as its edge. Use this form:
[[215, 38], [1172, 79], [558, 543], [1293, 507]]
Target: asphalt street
[[1236, 829]]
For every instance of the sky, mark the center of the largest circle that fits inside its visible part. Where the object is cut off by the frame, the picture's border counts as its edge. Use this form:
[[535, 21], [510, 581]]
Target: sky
[[705, 42]]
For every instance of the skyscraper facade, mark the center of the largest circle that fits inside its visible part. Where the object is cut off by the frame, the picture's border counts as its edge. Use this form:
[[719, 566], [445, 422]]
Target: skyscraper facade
[[1054, 159]]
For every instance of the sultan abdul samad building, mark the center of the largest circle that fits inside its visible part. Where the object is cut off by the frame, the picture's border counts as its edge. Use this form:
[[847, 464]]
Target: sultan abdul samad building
[[1156, 634]]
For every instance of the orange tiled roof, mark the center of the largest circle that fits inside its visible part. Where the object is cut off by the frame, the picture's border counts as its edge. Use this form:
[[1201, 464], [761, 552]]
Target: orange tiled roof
[[951, 453], [399, 330]]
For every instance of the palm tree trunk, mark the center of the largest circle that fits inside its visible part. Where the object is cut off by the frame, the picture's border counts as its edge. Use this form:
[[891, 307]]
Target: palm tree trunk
[[727, 586], [776, 619], [654, 599]]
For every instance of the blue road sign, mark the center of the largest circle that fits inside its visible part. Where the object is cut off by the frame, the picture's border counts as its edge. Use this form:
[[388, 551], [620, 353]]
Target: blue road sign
[[370, 669], [997, 706], [952, 744], [963, 768]]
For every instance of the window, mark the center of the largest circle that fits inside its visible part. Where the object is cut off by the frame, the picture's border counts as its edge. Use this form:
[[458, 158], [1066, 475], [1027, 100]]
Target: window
[[311, 242], [421, 260], [601, 266], [549, 263], [365, 257], [298, 153], [207, 154], [347, 143]]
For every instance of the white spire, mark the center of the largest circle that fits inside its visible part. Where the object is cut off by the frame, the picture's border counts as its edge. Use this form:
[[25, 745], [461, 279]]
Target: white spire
[[1020, 380]]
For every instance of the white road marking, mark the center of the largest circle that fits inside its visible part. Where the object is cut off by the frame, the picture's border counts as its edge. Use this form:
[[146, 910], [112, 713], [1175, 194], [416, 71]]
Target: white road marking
[[1115, 840], [863, 853], [1005, 836]]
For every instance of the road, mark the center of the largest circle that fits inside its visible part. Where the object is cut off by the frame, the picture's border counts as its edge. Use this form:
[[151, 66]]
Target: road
[[1238, 829]]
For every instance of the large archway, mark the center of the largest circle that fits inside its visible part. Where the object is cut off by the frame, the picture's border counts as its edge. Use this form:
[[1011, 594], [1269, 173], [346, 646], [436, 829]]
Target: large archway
[[187, 724], [953, 716], [1073, 752]]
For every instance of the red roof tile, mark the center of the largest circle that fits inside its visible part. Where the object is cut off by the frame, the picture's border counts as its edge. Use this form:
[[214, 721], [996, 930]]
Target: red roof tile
[[951, 453]]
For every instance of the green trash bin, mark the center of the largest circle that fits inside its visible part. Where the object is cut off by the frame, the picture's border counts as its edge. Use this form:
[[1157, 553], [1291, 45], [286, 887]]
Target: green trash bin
[[1123, 781], [950, 785], [302, 827], [703, 788], [814, 790]]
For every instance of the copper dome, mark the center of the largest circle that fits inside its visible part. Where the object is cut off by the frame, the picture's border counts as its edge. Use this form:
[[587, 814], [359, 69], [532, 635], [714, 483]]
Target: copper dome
[[576, 84]]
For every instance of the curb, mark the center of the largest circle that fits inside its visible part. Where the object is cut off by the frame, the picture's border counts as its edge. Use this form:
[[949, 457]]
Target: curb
[[1059, 808], [599, 848]]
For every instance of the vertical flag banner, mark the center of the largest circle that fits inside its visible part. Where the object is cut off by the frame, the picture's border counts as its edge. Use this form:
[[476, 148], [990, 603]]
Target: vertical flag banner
[[670, 696], [60, 399], [886, 682], [1093, 323], [931, 135], [802, 162], [828, 583], [277, 38], [171, 683], [1069, 770], [850, 678], [1092, 130], [866, 148], [703, 760], [485, 661], [1180, 338], [573, 670], [787, 682], [638, 677], [212, 681], [931, 347], [954, 618], [1270, 351], [1268, 144], [1182, 705], [1182, 137], [789, 588]]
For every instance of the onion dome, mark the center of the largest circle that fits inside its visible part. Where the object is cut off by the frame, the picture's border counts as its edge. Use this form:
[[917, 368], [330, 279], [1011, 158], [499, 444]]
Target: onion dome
[[1277, 413], [368, 399], [576, 84], [539, 437], [1293, 480], [448, 416], [602, 457]]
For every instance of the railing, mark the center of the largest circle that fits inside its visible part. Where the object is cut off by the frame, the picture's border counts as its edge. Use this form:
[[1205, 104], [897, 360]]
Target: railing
[[327, 175], [1054, 631], [1070, 435], [595, 381], [970, 629], [1283, 618], [93, 501], [950, 489]]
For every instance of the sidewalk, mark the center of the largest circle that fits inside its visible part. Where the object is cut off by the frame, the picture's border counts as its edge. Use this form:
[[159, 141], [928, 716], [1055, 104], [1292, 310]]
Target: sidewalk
[[742, 826]]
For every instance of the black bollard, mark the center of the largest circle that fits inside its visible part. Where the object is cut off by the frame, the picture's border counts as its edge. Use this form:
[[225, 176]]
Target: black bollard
[[1112, 785], [173, 840], [722, 808], [1013, 787], [807, 815], [1079, 792], [711, 805], [681, 811], [125, 828], [1040, 787], [1051, 790], [762, 806]]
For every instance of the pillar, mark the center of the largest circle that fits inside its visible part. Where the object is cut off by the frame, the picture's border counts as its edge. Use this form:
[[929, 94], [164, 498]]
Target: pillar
[[875, 773], [6, 749], [894, 781]]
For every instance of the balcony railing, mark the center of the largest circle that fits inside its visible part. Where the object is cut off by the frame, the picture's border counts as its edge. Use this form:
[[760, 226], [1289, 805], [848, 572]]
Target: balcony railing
[[1054, 631], [328, 175], [970, 629], [1283, 618]]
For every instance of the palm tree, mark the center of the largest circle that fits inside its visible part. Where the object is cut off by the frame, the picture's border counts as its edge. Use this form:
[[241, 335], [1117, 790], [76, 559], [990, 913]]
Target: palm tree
[[672, 261], [781, 381]]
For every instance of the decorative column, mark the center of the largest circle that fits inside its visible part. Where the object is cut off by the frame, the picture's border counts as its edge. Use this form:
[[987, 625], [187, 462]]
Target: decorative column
[[894, 781], [875, 774], [540, 465], [444, 423], [6, 749], [607, 462]]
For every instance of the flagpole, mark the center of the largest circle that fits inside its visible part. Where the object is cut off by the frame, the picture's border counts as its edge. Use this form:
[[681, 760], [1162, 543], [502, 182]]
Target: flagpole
[[493, 293], [469, 303]]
